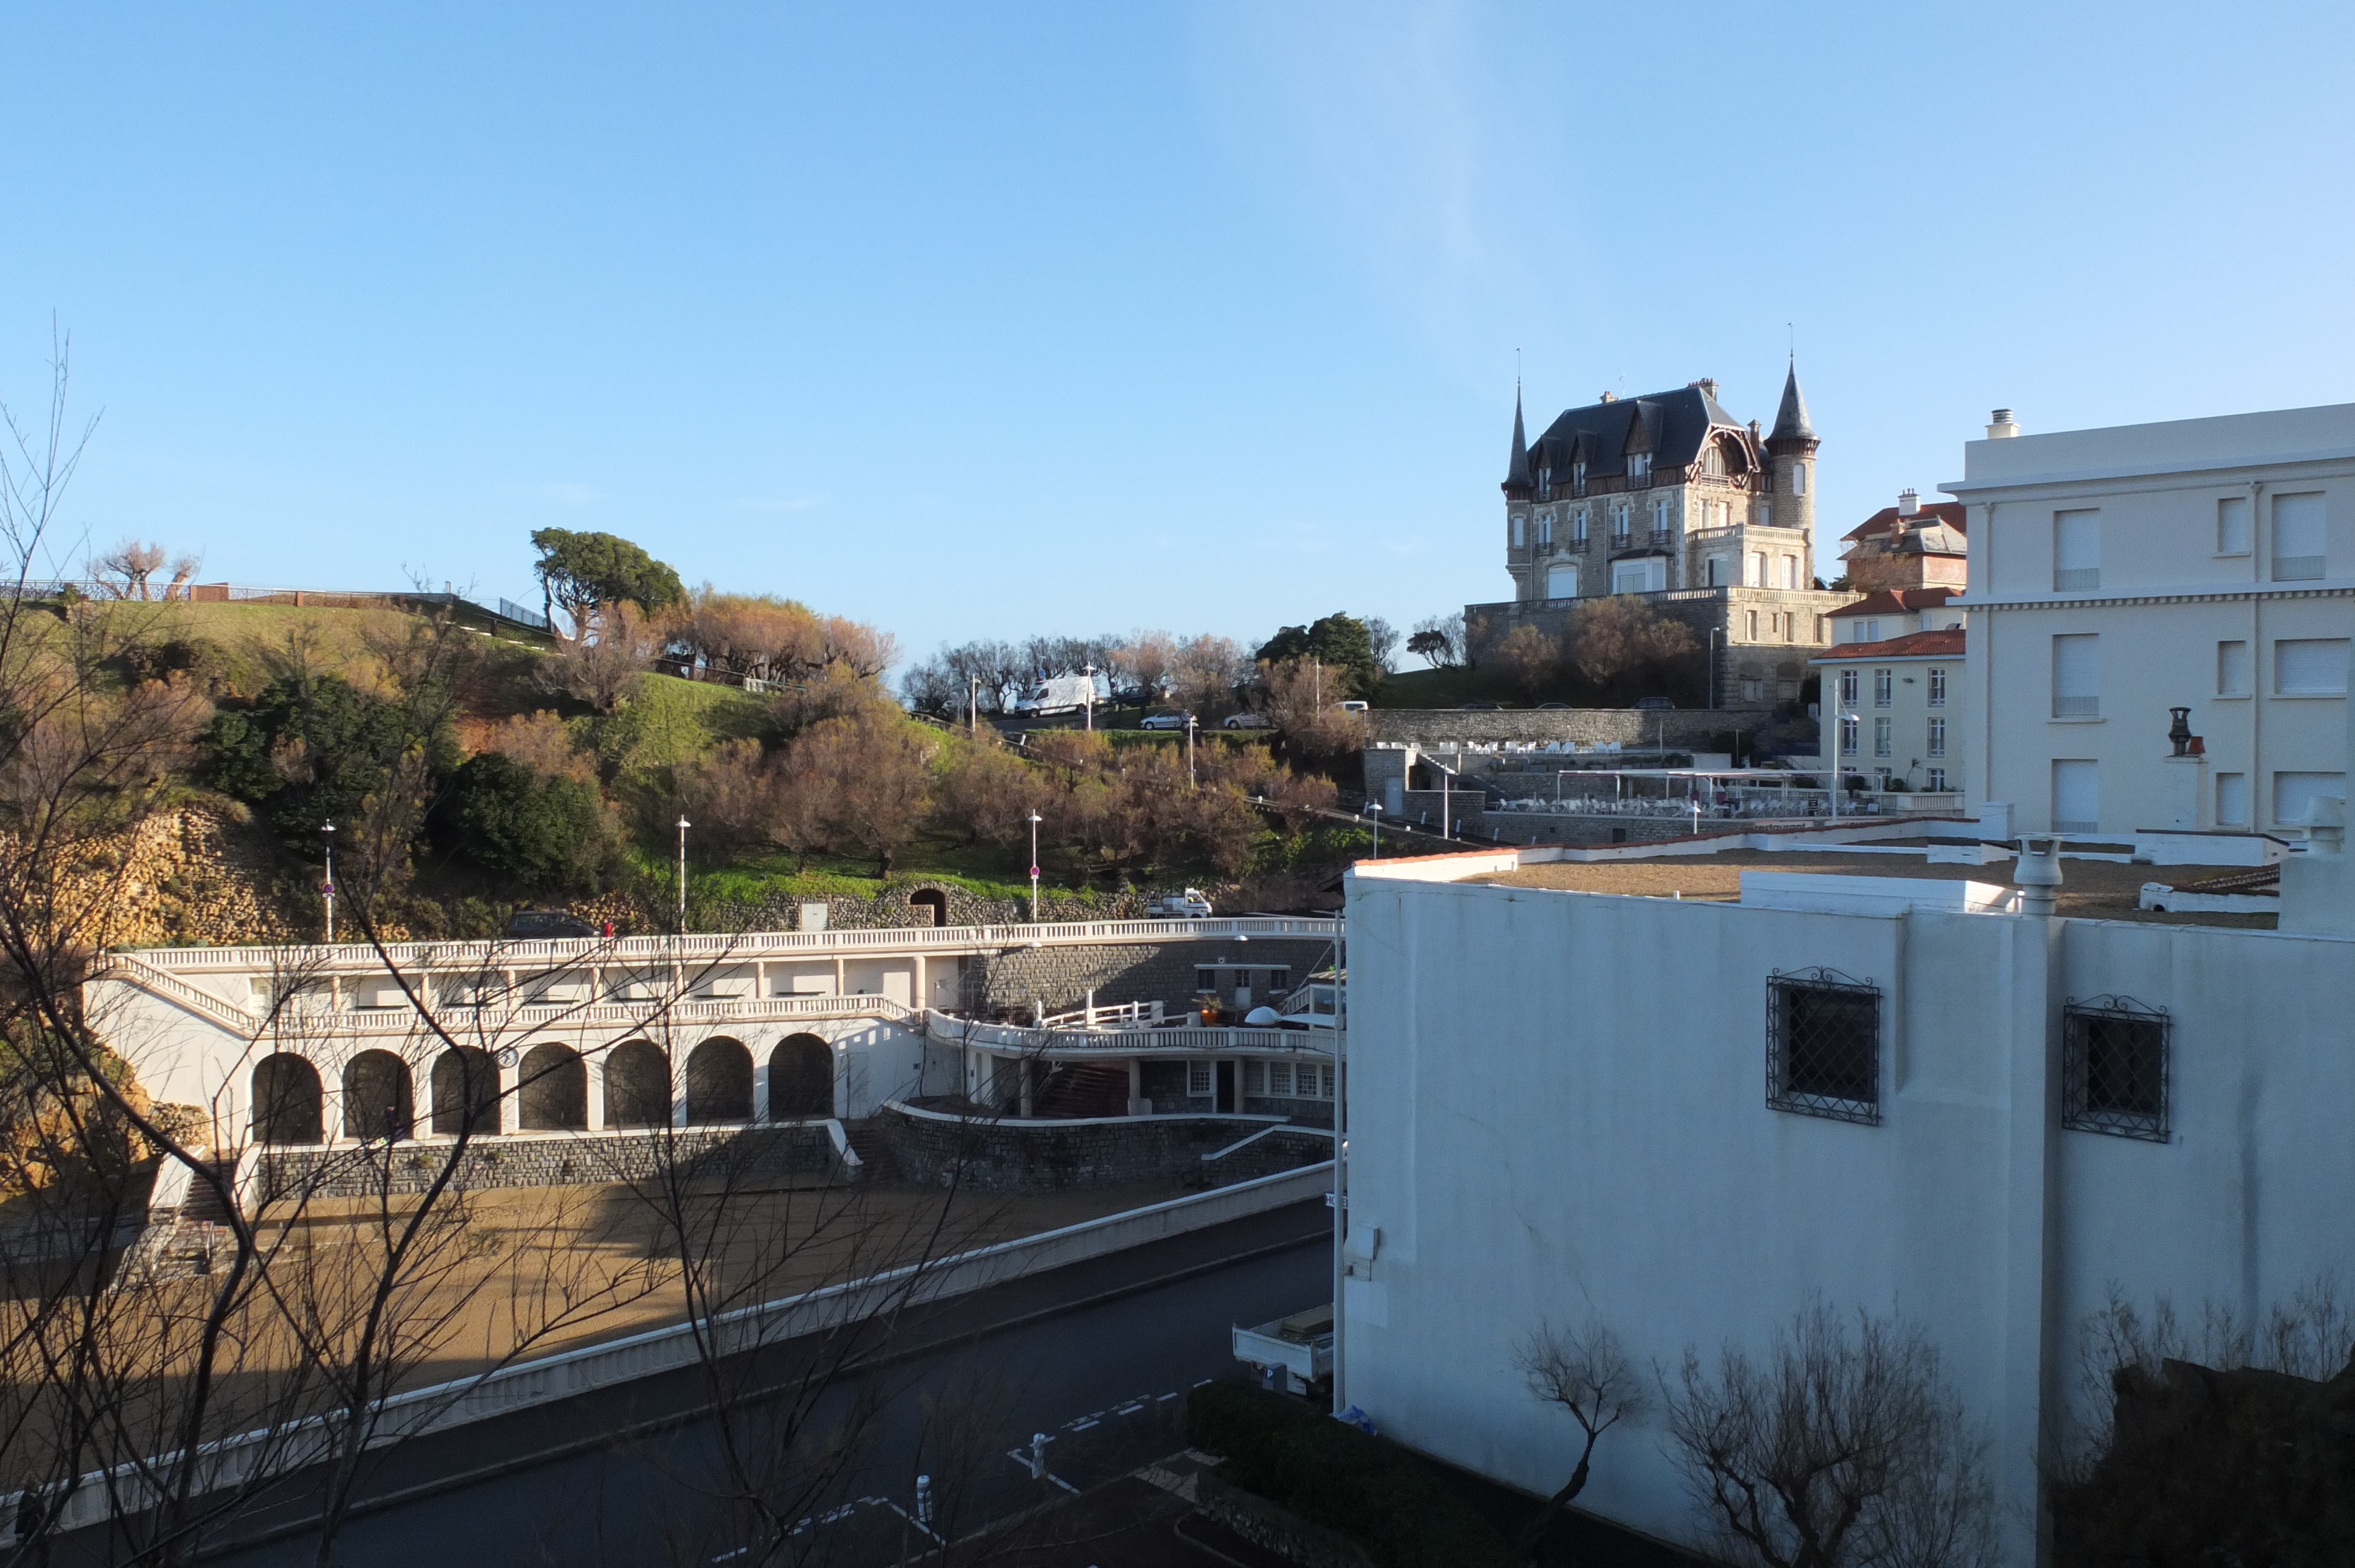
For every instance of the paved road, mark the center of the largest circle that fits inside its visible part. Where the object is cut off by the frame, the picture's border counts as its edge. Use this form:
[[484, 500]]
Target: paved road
[[1098, 1355]]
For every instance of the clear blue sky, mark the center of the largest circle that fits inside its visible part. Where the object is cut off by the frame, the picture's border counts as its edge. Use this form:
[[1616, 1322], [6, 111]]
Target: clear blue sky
[[989, 319]]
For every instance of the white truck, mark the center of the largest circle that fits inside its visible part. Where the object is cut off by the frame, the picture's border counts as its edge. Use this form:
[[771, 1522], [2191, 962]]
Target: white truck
[[1298, 1349], [1064, 694], [1190, 905]]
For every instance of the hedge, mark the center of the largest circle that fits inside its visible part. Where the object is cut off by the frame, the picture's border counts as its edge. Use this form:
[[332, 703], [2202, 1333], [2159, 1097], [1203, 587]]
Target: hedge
[[1368, 1488]]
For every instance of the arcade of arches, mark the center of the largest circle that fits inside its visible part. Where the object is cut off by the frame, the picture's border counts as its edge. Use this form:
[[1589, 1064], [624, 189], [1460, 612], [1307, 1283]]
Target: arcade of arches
[[551, 1090]]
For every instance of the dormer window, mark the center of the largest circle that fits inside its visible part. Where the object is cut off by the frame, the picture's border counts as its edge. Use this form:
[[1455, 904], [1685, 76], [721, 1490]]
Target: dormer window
[[1545, 482], [1578, 476], [1639, 468]]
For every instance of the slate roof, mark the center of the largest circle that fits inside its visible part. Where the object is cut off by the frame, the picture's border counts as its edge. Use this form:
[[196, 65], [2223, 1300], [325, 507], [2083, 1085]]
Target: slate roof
[[1947, 514], [1900, 602], [1673, 425], [1791, 418], [1913, 645]]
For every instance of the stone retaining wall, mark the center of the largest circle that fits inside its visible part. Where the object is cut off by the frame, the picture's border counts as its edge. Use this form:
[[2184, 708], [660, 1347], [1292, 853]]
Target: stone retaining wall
[[1007, 1156], [1061, 977], [1684, 729], [792, 1149]]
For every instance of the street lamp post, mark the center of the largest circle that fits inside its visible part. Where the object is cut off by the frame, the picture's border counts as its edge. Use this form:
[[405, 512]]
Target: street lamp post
[[683, 825], [327, 887], [1035, 820], [1374, 819], [1089, 697], [973, 704], [1190, 752]]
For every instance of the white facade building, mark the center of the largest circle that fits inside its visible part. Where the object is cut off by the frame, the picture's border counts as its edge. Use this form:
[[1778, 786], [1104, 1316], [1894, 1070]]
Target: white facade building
[[1544, 1127], [2116, 573], [1893, 709]]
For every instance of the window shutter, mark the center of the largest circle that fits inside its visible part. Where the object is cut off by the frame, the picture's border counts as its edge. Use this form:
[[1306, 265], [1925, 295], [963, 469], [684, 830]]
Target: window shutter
[[2312, 666]]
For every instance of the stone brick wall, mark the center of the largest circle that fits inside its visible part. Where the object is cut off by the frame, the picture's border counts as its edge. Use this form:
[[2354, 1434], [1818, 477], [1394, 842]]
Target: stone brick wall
[[1056, 1157], [1686, 728], [788, 1149], [1164, 972]]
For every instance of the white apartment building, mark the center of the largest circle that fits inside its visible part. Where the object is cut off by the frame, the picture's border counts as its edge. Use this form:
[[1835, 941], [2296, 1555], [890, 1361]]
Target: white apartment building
[[1889, 1095], [2118, 574], [1893, 710]]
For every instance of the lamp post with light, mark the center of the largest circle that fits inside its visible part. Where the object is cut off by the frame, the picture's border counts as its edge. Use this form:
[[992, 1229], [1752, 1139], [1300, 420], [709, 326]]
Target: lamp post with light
[[1374, 820], [683, 825], [1035, 820], [1089, 698], [327, 886]]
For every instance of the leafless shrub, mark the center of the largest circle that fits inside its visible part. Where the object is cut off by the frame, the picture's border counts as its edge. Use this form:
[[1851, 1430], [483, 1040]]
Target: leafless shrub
[[1840, 1447], [600, 667], [1585, 1372]]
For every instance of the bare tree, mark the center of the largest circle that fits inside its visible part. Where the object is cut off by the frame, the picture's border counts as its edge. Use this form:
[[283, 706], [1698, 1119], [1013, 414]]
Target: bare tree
[[122, 572], [1383, 638], [1530, 659], [1585, 1372], [598, 667], [1840, 1447], [1438, 639]]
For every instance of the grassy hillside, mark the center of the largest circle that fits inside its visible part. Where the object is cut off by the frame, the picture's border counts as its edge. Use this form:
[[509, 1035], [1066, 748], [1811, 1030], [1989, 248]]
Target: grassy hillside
[[1446, 689]]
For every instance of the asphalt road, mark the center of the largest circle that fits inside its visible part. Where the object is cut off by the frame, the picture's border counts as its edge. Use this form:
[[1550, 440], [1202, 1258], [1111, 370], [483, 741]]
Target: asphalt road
[[1098, 1356]]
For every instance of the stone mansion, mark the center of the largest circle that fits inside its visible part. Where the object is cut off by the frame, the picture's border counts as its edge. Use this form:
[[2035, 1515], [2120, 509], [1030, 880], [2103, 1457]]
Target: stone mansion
[[1668, 495]]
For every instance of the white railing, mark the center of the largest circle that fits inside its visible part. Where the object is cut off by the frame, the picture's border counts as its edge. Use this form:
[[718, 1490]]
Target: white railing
[[1136, 1015], [745, 948], [1128, 1041]]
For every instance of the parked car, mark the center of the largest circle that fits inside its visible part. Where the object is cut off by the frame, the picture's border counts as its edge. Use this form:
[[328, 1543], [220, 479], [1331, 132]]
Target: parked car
[[1250, 721], [1353, 705], [1163, 721], [1187, 906], [1654, 702], [542, 925]]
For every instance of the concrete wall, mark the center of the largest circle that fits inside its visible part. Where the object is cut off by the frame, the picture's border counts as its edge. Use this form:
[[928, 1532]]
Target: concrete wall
[[1540, 1129], [1011, 1156], [1164, 972]]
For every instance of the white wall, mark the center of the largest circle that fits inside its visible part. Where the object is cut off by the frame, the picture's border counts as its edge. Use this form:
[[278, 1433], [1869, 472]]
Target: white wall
[[1544, 1124]]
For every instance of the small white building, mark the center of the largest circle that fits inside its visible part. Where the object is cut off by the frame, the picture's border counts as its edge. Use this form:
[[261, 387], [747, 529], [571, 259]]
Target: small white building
[[1894, 710], [1570, 1106], [2116, 573]]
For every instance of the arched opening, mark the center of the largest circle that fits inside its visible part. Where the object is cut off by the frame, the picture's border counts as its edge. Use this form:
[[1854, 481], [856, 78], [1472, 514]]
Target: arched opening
[[637, 1085], [288, 1106], [801, 1078], [377, 1097], [465, 1092], [933, 905], [719, 1081], [553, 1096]]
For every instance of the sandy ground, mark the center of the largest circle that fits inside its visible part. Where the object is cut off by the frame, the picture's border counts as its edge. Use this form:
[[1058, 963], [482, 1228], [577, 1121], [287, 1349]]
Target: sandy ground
[[2092, 889]]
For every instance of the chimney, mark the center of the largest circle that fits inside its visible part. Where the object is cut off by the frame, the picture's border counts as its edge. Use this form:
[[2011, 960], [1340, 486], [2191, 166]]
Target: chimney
[[1708, 384], [1608, 398], [2002, 428], [1909, 503]]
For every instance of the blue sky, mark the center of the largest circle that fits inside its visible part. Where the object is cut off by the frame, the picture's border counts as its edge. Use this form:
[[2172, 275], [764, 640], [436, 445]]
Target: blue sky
[[987, 320]]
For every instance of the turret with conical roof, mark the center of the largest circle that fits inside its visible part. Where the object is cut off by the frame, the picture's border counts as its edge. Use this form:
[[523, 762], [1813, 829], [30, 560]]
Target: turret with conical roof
[[1792, 432], [1517, 482], [1790, 455]]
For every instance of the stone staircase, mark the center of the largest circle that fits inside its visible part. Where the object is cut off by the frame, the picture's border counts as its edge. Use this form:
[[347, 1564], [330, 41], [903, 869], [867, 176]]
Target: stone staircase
[[1083, 1089], [876, 1161]]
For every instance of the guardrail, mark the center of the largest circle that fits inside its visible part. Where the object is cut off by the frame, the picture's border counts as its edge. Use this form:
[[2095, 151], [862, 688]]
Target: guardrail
[[743, 947], [1128, 1041], [248, 1456]]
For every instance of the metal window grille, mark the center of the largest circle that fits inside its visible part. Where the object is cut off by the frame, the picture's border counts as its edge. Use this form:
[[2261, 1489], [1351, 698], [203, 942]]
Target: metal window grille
[[1198, 1077], [1822, 1046], [2113, 1064]]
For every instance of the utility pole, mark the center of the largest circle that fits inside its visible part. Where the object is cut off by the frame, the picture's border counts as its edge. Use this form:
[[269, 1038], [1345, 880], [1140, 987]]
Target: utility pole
[[1035, 820], [327, 887], [1189, 753], [973, 704], [1089, 697], [683, 825]]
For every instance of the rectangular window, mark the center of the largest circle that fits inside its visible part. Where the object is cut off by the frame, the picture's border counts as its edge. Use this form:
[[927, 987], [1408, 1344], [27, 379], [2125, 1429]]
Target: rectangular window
[[2233, 525], [1881, 737], [1884, 688], [1823, 631], [1578, 476], [1206, 979], [1848, 735], [1765, 515], [1279, 1080], [1578, 526], [1848, 681], [1937, 737], [1198, 1077], [2077, 551], [1545, 529], [2297, 537], [1713, 574], [2114, 1068], [1619, 523], [2294, 794], [1757, 568], [1639, 468], [1937, 688], [1255, 1077], [2231, 800], [2311, 667], [1749, 626], [2077, 677], [1791, 571], [1660, 515], [1868, 631], [2076, 796], [1822, 1046], [1937, 784], [1798, 479], [1517, 531], [2233, 674]]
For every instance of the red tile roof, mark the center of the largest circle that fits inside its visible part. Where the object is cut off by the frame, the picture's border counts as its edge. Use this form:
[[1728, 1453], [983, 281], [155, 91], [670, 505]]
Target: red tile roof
[[1949, 513], [1913, 645], [1900, 602]]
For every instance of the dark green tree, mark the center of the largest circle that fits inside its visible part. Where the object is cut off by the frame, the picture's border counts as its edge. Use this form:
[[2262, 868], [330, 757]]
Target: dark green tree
[[1338, 641], [579, 571], [313, 749], [544, 832]]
